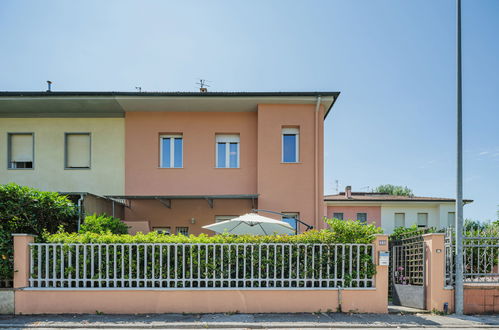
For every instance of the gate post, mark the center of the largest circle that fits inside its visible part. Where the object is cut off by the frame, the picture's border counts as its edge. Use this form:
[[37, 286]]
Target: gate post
[[436, 292], [21, 259], [381, 279]]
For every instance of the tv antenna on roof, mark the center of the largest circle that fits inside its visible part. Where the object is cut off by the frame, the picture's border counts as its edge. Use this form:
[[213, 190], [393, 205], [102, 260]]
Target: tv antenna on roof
[[202, 85]]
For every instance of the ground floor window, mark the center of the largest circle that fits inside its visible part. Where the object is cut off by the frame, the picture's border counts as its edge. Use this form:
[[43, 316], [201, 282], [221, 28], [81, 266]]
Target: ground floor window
[[338, 215], [221, 218], [182, 230], [163, 230], [422, 220], [290, 217]]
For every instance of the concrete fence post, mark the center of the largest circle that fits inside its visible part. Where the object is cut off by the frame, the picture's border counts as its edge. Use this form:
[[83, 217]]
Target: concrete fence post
[[436, 292], [381, 279], [21, 259]]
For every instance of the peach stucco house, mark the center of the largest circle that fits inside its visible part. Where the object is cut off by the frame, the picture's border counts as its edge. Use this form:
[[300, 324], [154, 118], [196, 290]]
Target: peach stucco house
[[171, 161], [390, 212]]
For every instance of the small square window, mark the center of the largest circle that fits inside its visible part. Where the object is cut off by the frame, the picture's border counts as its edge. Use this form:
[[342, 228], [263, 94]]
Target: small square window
[[182, 230], [422, 220], [362, 217], [20, 153], [338, 215], [77, 150], [171, 151], [290, 145], [399, 220]]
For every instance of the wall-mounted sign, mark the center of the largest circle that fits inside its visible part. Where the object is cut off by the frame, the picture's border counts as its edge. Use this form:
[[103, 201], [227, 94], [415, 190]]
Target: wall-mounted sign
[[384, 258]]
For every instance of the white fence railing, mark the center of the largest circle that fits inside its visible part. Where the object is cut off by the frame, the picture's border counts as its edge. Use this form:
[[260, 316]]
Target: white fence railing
[[201, 266], [480, 259]]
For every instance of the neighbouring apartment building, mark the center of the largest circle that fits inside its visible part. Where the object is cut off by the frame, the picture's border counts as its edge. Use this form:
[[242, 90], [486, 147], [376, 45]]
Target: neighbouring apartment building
[[170, 161], [389, 212]]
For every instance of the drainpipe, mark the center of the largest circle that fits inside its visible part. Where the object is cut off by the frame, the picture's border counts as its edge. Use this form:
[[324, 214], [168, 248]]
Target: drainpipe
[[80, 200], [316, 167]]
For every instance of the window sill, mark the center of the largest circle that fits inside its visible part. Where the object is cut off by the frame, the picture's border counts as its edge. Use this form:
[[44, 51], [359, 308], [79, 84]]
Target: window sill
[[291, 163], [169, 168], [227, 168], [20, 169], [77, 168]]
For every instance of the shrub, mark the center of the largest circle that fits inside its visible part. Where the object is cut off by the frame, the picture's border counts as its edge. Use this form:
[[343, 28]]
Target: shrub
[[352, 231], [30, 211], [102, 224]]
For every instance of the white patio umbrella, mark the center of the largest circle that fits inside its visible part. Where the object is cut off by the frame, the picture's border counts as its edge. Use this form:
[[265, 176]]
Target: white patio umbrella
[[252, 224]]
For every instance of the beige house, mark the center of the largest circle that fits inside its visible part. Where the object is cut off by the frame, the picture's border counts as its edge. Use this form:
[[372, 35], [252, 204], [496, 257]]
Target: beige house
[[389, 212]]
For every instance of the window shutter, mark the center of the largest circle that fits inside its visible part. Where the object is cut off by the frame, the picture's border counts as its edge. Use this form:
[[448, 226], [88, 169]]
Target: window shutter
[[78, 150], [22, 147]]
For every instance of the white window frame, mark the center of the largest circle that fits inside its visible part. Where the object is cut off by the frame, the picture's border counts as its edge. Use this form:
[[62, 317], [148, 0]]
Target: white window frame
[[178, 230], [295, 131], [227, 139], [172, 138]]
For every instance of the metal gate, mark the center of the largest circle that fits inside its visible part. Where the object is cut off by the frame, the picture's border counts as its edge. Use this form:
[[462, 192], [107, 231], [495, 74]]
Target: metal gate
[[408, 272]]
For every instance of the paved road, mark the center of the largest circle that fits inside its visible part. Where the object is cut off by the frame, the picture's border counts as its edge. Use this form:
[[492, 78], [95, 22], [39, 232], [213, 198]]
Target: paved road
[[250, 321]]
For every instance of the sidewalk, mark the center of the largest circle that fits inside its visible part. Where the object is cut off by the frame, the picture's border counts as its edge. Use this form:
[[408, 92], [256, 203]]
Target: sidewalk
[[250, 321]]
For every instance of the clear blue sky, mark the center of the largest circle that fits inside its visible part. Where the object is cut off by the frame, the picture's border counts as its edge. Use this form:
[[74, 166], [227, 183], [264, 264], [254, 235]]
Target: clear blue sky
[[393, 61]]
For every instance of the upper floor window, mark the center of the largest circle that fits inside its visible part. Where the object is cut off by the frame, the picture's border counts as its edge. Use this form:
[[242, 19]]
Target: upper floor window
[[422, 220], [171, 152], [227, 150], [338, 215], [399, 220], [77, 150], [362, 217], [451, 219], [290, 145], [20, 152]]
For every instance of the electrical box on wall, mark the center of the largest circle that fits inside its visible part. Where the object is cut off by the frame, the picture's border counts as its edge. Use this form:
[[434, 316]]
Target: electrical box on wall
[[383, 258]]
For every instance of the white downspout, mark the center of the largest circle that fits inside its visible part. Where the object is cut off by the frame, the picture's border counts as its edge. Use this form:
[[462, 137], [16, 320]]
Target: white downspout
[[316, 168], [80, 200]]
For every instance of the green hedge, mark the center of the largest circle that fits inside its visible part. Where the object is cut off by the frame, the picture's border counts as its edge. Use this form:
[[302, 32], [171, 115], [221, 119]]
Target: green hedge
[[30, 211], [309, 255], [102, 224]]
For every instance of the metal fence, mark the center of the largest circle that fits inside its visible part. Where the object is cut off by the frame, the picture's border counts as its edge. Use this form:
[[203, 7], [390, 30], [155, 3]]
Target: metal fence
[[197, 266], [480, 258]]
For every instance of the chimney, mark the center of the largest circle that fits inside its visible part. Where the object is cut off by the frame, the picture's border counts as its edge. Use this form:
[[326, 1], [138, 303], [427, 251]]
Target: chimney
[[348, 192], [203, 89]]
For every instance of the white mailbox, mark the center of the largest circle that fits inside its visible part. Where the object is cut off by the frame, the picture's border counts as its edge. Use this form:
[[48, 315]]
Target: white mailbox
[[384, 258]]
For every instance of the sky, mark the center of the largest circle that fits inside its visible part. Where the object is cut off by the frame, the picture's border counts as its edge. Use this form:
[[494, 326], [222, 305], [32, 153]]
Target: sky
[[393, 62]]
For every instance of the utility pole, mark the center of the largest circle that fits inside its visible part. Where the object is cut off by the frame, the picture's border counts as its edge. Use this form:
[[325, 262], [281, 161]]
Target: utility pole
[[458, 283]]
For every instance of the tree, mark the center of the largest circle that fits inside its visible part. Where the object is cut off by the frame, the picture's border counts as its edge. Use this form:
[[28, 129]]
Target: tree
[[391, 189]]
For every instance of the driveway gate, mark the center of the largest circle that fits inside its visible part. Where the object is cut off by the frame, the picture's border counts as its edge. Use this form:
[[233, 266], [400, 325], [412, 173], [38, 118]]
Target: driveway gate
[[408, 272]]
